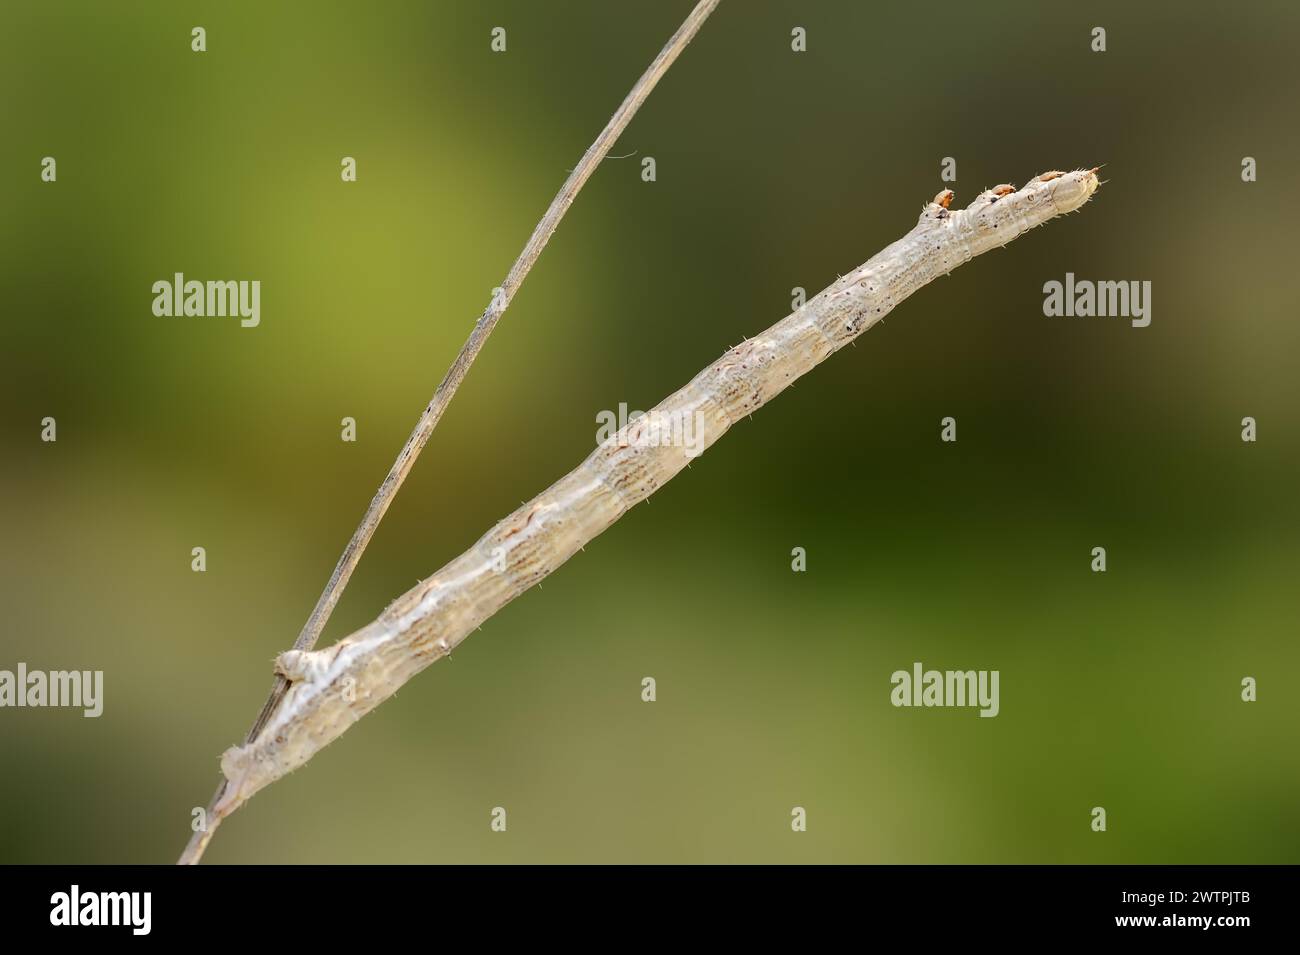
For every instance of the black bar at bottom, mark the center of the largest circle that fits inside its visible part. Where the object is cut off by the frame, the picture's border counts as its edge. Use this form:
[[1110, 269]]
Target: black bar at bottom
[[341, 905]]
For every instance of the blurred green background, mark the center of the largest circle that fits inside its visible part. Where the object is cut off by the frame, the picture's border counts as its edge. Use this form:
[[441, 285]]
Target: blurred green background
[[775, 170]]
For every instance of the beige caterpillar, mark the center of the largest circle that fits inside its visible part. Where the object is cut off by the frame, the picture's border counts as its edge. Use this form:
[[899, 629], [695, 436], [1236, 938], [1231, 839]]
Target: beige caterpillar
[[334, 687]]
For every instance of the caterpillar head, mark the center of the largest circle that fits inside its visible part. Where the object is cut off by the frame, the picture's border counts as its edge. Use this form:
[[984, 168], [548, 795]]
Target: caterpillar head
[[1050, 194], [1067, 191]]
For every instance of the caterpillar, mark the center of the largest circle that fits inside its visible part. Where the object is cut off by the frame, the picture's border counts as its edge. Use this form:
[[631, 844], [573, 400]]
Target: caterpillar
[[332, 688]]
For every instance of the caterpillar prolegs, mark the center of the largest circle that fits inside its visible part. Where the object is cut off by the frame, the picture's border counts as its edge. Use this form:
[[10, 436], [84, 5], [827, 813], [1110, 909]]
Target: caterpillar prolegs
[[334, 687]]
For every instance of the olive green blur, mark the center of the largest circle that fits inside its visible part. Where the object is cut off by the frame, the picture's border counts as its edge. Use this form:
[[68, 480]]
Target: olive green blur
[[775, 170]]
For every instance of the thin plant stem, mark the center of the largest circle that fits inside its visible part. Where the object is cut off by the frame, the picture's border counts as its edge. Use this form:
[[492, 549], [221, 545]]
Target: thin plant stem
[[432, 413]]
